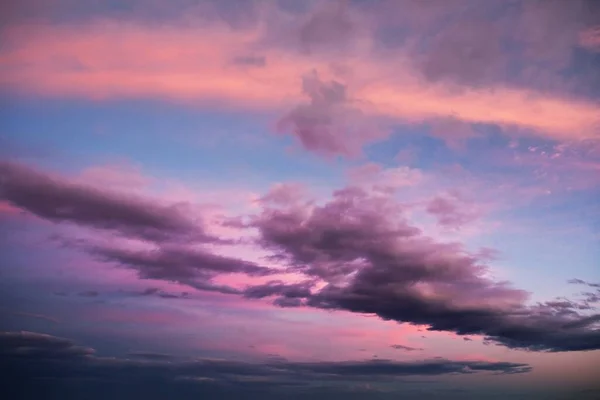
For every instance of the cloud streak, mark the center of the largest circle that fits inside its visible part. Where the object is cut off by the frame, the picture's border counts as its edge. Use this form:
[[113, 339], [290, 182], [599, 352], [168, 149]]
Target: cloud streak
[[34, 354], [59, 200]]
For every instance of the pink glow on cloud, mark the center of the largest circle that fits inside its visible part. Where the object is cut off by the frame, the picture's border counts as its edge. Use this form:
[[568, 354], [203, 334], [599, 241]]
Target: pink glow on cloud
[[590, 39], [121, 176], [113, 60]]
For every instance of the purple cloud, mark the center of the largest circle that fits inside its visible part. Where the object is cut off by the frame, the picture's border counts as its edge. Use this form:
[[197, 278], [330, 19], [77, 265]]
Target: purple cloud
[[193, 267], [358, 244], [328, 124], [59, 200], [451, 211], [26, 349], [374, 262], [405, 348]]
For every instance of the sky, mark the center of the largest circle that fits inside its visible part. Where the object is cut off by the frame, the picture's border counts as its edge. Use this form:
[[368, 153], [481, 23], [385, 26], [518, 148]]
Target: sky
[[278, 199]]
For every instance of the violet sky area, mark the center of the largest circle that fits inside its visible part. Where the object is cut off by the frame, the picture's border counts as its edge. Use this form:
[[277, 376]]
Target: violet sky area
[[299, 199]]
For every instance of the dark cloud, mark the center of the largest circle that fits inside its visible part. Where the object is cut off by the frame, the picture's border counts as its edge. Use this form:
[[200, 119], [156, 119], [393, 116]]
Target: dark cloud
[[191, 266], [59, 200], [271, 288], [36, 316], [151, 356], [150, 291], [405, 348], [467, 339], [32, 347], [70, 372], [162, 294], [371, 260], [37, 346], [374, 262], [288, 302]]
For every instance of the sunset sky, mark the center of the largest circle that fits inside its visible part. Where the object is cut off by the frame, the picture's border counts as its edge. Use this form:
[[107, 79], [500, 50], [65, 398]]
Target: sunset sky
[[288, 199]]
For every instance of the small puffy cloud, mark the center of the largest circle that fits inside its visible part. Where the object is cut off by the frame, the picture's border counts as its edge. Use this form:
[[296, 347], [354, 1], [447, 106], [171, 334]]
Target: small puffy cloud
[[452, 211], [328, 123]]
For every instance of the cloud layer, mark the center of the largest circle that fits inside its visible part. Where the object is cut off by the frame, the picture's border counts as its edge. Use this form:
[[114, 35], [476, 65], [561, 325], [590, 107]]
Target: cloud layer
[[355, 252], [506, 71], [53, 362]]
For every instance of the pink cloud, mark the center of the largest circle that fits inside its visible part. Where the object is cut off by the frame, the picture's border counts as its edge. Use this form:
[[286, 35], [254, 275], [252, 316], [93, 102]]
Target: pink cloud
[[122, 176], [109, 59], [374, 176], [590, 39]]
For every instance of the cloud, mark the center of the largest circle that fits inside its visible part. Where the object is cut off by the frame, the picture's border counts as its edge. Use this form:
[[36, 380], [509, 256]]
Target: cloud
[[162, 294], [289, 290], [582, 282], [59, 200], [174, 254], [372, 261], [386, 180], [355, 252], [329, 27], [115, 176], [28, 356], [328, 123], [590, 39], [89, 293], [191, 266], [250, 61], [37, 346], [71, 60], [151, 356], [452, 211], [405, 348]]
